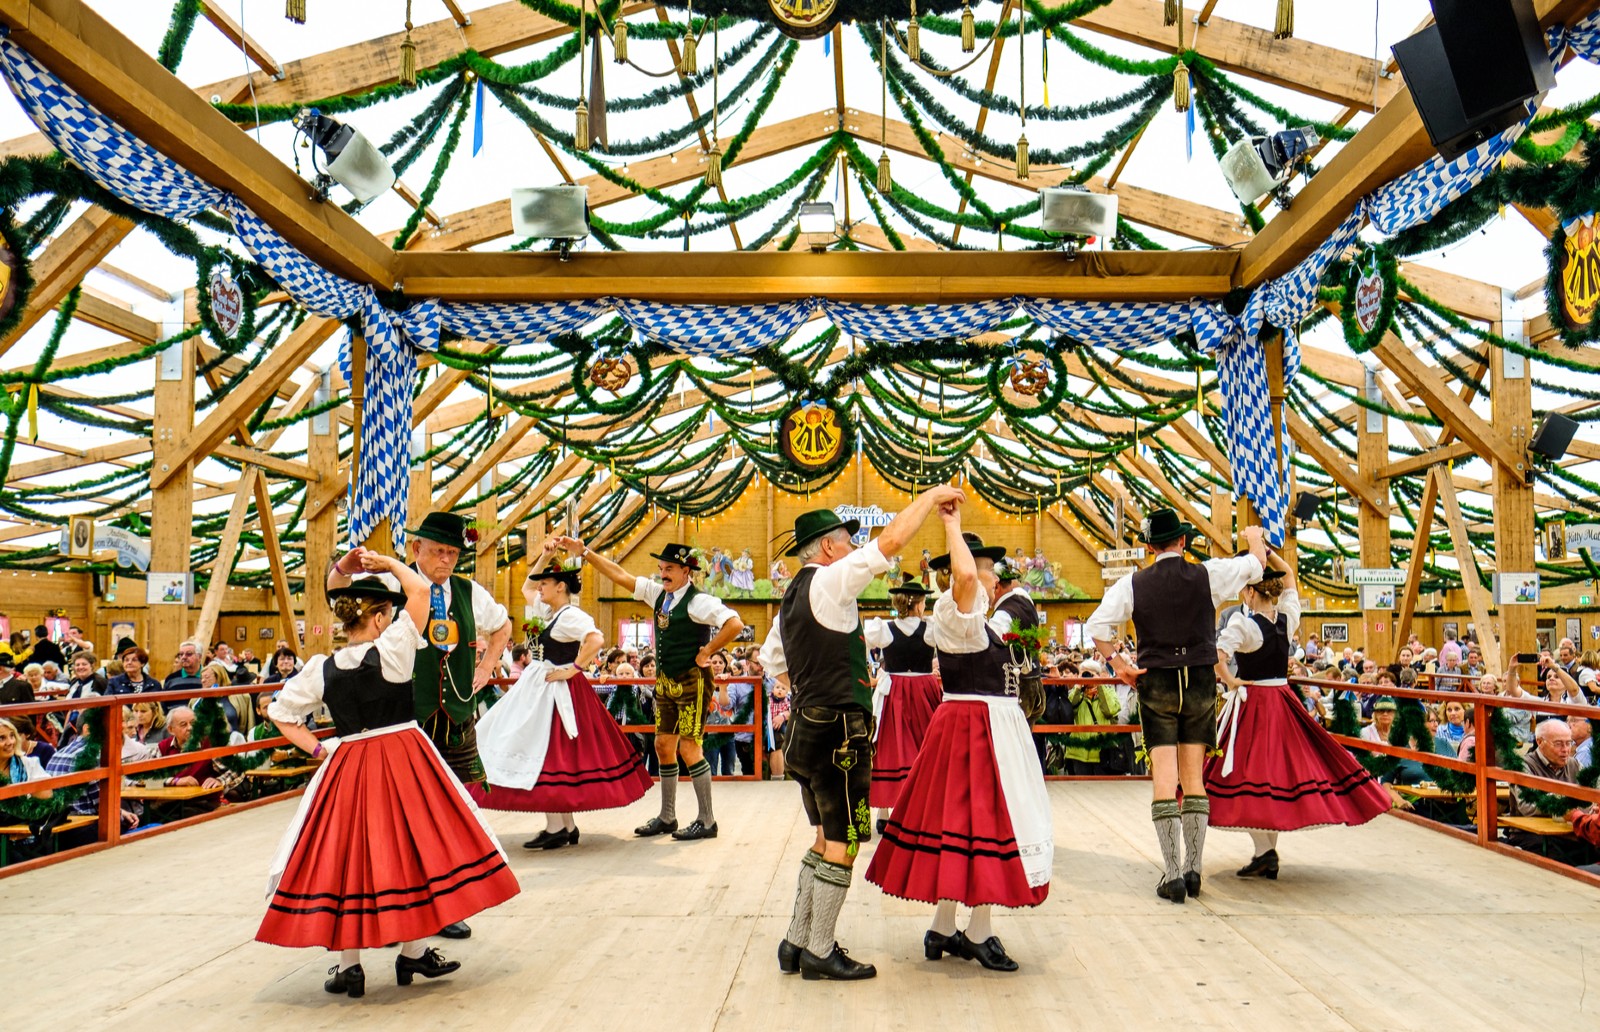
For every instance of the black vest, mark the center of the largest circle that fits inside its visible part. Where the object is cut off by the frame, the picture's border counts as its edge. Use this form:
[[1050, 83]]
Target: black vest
[[908, 653], [558, 653], [826, 667], [1271, 660], [1173, 616], [679, 638], [1024, 614], [361, 699], [976, 673]]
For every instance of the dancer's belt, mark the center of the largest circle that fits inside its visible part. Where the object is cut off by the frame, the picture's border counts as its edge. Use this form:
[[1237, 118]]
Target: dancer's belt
[[675, 687]]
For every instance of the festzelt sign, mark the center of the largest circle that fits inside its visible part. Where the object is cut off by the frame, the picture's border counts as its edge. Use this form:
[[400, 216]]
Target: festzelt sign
[[131, 549]]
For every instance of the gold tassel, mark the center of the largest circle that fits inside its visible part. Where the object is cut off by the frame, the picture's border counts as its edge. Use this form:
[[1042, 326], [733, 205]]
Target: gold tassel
[[619, 41], [33, 413], [969, 28], [408, 60], [690, 65], [714, 166], [885, 183], [914, 36], [1285, 26], [1022, 157], [1171, 12], [580, 139], [1180, 87], [295, 11]]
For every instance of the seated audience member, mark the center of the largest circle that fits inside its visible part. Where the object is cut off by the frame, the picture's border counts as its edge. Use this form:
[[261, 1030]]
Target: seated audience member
[[1562, 686], [1510, 686], [33, 673], [133, 678], [65, 762], [283, 755], [15, 763], [1430, 721], [1409, 772], [1551, 757], [1452, 728], [1448, 675], [1472, 664], [1469, 740], [519, 661], [29, 742], [180, 723], [150, 724], [186, 674], [12, 688], [238, 709], [54, 679], [87, 677], [1583, 737], [284, 664]]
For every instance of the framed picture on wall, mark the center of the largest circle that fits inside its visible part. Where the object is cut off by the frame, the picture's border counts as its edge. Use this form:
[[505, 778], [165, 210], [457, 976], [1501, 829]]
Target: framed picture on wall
[[265, 634], [1451, 630], [121, 629], [240, 634], [1575, 631], [80, 537], [1335, 632]]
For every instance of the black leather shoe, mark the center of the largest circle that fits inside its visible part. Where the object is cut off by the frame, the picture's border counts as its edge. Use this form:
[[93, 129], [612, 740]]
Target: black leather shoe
[[459, 930], [695, 830], [430, 965], [549, 840], [1173, 890], [989, 953], [351, 981], [572, 835], [1191, 884], [788, 957], [883, 822], [655, 826], [836, 966], [935, 946], [1263, 866]]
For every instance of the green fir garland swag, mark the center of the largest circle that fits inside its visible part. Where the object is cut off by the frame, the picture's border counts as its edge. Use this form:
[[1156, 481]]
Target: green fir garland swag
[[211, 730]]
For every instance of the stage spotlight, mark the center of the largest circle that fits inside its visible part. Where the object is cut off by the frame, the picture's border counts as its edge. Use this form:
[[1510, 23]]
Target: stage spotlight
[[1259, 165], [818, 225], [1077, 216], [559, 213], [353, 162]]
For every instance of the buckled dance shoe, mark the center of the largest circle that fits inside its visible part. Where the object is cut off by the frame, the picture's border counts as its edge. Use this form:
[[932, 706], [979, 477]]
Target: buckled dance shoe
[[935, 946], [789, 957], [1174, 890], [1191, 884], [990, 953], [1263, 866], [836, 966], [655, 826], [549, 840], [694, 831], [350, 981], [430, 965]]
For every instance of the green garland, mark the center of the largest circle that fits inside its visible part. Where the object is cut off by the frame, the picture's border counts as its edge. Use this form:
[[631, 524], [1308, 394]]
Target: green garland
[[33, 811], [211, 730], [240, 271], [19, 244], [179, 29], [1388, 274]]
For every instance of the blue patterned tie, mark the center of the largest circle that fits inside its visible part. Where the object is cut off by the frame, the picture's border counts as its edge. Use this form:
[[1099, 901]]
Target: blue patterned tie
[[439, 611]]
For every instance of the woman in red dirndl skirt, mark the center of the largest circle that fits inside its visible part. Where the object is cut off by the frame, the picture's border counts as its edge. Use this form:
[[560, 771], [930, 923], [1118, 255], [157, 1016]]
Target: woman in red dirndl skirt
[[386, 845], [907, 693], [549, 746], [1279, 770], [972, 824]]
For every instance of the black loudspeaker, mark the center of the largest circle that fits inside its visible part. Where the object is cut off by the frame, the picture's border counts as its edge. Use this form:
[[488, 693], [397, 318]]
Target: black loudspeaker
[[1472, 71], [1550, 440], [1305, 505]]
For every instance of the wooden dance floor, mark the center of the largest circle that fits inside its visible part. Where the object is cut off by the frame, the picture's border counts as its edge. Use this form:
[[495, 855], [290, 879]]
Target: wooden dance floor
[[1390, 926]]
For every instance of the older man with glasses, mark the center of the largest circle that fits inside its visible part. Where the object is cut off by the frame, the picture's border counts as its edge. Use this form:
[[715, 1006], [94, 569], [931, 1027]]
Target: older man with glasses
[[1553, 756]]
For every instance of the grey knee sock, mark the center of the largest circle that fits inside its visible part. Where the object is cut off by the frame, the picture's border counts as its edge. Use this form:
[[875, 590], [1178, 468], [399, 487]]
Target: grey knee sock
[[1195, 813], [1264, 841], [800, 923], [827, 899], [1164, 812], [669, 791], [701, 773]]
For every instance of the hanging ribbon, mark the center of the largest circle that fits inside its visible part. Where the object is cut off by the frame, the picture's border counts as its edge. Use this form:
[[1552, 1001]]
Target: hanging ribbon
[[477, 121]]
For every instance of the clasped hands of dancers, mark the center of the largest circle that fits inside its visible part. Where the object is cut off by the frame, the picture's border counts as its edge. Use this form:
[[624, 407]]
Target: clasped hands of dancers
[[969, 820]]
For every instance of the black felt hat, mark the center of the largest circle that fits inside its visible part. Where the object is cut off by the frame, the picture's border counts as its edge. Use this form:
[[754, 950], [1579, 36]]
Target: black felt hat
[[908, 585], [446, 528], [124, 645], [976, 546], [571, 577], [678, 553], [380, 587], [1162, 526], [809, 526]]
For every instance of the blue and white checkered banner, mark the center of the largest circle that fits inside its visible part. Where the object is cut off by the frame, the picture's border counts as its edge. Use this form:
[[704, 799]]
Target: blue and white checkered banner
[[1583, 38], [907, 324], [715, 331], [1111, 325], [108, 153], [513, 323]]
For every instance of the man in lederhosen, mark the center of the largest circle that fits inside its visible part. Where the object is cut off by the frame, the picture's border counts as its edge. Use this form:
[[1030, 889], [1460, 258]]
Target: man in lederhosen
[[691, 626], [818, 640], [467, 632], [1173, 604]]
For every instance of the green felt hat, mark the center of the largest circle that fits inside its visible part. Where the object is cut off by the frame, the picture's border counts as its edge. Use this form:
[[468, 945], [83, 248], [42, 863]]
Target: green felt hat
[[1162, 526], [809, 526]]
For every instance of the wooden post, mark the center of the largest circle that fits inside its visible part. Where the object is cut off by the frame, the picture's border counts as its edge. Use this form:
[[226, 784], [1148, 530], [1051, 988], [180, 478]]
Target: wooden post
[[488, 510], [227, 555], [171, 504], [1372, 451], [1511, 412], [420, 499], [322, 528]]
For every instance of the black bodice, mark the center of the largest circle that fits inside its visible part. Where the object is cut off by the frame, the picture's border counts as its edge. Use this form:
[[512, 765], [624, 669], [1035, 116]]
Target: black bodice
[[908, 653], [558, 653], [1271, 660], [361, 699], [976, 673]]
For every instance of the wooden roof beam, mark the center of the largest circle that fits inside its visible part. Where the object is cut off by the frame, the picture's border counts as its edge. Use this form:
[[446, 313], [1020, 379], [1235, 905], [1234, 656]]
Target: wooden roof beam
[[64, 263], [231, 30]]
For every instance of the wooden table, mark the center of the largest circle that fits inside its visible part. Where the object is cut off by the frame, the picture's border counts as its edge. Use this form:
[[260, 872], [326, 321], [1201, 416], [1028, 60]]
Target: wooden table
[[170, 793], [17, 831], [1437, 794], [1552, 826], [282, 772]]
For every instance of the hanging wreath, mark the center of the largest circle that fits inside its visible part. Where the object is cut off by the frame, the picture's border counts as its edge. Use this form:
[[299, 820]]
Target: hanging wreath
[[1043, 379], [16, 283], [603, 371], [1572, 286], [1370, 293], [227, 307], [815, 437]]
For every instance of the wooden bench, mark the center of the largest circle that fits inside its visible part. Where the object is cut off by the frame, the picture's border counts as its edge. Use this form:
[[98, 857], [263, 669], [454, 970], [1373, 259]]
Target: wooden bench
[[21, 831]]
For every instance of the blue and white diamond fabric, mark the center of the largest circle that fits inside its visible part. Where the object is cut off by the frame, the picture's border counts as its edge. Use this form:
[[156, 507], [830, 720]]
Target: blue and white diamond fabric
[[1111, 325], [715, 331], [509, 323], [906, 324], [108, 153]]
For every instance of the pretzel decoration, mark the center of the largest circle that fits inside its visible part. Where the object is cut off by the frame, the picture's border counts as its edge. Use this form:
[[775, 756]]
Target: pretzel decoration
[[612, 374], [1031, 378]]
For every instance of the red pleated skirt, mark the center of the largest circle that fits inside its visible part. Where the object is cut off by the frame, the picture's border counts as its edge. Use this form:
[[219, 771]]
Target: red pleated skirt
[[1288, 773], [950, 834], [390, 851], [598, 770], [907, 711]]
